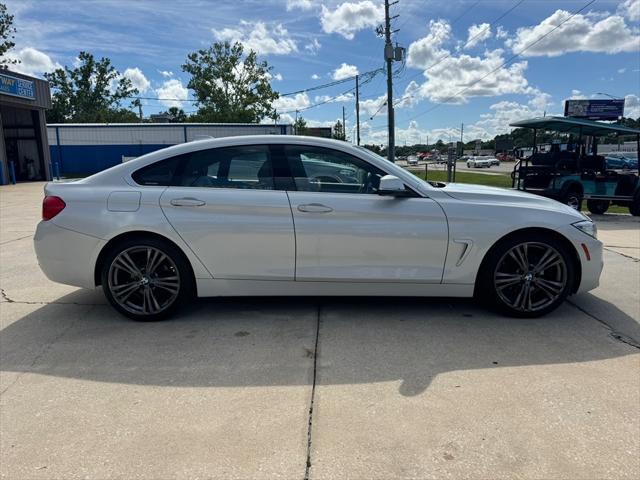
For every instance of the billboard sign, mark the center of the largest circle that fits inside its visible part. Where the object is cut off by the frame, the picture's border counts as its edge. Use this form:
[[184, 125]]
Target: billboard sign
[[17, 87], [608, 109]]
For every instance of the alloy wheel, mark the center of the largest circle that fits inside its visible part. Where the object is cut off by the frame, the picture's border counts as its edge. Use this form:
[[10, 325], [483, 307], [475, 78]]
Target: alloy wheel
[[530, 276], [144, 280]]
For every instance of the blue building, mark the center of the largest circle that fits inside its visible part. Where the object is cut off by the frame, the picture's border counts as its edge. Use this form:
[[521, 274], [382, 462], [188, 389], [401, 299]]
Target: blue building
[[82, 149]]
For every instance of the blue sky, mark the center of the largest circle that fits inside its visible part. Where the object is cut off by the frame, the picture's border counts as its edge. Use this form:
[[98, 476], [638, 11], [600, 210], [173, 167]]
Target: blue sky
[[453, 71]]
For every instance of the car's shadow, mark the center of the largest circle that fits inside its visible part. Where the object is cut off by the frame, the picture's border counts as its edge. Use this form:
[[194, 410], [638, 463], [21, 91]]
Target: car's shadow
[[248, 342]]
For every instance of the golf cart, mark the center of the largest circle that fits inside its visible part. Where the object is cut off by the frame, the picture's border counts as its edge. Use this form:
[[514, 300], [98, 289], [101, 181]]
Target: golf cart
[[573, 170]]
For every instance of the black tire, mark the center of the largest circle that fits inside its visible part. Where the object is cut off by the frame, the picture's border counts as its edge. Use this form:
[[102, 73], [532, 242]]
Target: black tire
[[176, 265], [572, 197], [598, 207], [634, 206], [487, 290]]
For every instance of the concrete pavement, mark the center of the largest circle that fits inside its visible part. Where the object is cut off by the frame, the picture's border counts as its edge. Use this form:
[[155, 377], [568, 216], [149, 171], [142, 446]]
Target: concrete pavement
[[323, 388]]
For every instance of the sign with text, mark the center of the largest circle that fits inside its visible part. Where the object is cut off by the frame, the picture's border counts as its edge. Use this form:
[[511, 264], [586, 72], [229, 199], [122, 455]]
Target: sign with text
[[595, 109], [17, 87]]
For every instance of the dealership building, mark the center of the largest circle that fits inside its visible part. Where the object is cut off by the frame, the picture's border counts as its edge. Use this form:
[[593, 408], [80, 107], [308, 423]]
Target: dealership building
[[79, 149], [24, 152]]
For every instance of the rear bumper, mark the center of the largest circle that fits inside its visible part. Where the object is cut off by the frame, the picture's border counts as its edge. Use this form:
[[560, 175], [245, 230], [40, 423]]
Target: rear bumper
[[66, 256]]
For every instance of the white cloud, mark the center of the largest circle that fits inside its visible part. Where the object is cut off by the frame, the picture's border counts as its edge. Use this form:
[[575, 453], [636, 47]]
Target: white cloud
[[343, 97], [426, 51], [275, 76], [501, 32], [313, 47], [582, 33], [454, 79], [622, 70], [138, 80], [577, 95], [372, 105], [166, 73], [477, 34], [351, 17], [315, 76], [345, 71], [260, 38], [292, 103], [630, 9], [172, 89], [632, 106], [301, 4], [32, 62]]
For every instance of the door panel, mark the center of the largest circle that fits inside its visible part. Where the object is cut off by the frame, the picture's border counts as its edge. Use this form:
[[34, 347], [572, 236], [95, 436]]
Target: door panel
[[236, 233], [368, 237], [223, 203]]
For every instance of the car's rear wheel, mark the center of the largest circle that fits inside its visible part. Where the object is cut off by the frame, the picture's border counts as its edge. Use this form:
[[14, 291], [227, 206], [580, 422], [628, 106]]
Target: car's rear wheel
[[146, 279], [598, 206], [526, 275]]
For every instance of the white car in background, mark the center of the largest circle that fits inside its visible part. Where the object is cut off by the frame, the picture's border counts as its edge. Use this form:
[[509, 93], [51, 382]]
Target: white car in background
[[259, 215], [482, 162], [412, 160]]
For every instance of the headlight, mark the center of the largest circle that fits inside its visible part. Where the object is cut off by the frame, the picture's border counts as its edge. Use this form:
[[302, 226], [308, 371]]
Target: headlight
[[588, 227]]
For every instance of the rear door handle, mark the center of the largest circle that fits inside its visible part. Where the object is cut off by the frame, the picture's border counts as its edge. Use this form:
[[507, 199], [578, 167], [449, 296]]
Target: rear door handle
[[187, 202], [314, 208]]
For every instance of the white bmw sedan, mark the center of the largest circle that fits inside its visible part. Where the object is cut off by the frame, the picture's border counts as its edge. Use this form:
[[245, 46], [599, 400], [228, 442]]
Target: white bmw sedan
[[286, 215]]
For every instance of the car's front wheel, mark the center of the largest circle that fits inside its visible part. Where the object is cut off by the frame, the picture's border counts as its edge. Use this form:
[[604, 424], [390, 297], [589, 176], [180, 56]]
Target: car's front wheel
[[526, 275], [146, 279]]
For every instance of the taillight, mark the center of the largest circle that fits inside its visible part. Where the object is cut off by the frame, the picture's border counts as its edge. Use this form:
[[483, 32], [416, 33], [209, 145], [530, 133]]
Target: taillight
[[52, 206]]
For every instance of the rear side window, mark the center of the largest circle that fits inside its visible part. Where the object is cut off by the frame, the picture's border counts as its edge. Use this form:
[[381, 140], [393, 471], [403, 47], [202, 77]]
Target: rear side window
[[157, 174], [242, 167]]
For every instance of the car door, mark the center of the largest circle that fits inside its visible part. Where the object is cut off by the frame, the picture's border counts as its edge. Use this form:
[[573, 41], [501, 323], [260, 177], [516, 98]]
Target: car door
[[223, 203], [345, 231]]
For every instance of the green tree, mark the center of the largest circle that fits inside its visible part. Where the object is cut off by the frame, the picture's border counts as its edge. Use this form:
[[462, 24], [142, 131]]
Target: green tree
[[300, 126], [230, 86], [338, 131], [91, 92], [7, 31], [176, 115]]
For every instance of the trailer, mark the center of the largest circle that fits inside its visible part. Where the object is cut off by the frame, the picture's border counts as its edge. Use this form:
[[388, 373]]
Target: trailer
[[572, 171]]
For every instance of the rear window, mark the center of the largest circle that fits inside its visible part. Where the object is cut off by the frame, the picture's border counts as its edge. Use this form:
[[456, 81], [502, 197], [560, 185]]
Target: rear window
[[157, 174]]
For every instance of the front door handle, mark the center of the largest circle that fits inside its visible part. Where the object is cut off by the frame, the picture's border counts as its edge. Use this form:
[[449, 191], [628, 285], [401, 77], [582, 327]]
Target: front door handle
[[314, 208], [187, 202]]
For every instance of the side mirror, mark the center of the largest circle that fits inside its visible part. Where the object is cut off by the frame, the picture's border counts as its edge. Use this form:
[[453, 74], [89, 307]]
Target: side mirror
[[392, 185]]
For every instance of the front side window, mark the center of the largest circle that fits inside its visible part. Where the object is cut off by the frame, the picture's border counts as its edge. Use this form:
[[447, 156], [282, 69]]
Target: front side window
[[317, 169]]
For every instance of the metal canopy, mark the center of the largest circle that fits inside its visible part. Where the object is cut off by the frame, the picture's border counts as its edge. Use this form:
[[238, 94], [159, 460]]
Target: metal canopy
[[576, 126]]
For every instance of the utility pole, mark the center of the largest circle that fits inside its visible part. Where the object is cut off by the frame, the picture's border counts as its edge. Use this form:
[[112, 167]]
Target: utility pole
[[295, 125], [344, 126], [357, 111], [389, 56]]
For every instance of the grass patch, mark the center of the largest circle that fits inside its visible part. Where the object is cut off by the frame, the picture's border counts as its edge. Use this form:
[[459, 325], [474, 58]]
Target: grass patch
[[499, 180]]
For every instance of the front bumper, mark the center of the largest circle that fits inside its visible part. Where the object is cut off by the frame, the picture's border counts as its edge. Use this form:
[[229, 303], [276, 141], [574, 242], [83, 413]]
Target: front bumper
[[66, 256], [591, 264]]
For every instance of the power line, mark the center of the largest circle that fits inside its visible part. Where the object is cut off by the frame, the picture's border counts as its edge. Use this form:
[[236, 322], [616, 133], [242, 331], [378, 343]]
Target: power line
[[332, 84]]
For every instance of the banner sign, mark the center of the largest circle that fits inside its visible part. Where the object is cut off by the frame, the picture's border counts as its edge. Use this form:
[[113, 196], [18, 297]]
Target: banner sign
[[17, 87], [594, 109]]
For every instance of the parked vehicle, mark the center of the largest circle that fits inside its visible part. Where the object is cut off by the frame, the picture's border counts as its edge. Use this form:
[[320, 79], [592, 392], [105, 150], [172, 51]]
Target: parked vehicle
[[250, 216], [412, 160], [621, 161], [482, 162], [573, 175]]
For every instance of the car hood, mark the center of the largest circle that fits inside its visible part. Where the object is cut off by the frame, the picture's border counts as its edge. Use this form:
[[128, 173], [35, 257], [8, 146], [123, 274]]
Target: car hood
[[506, 196]]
